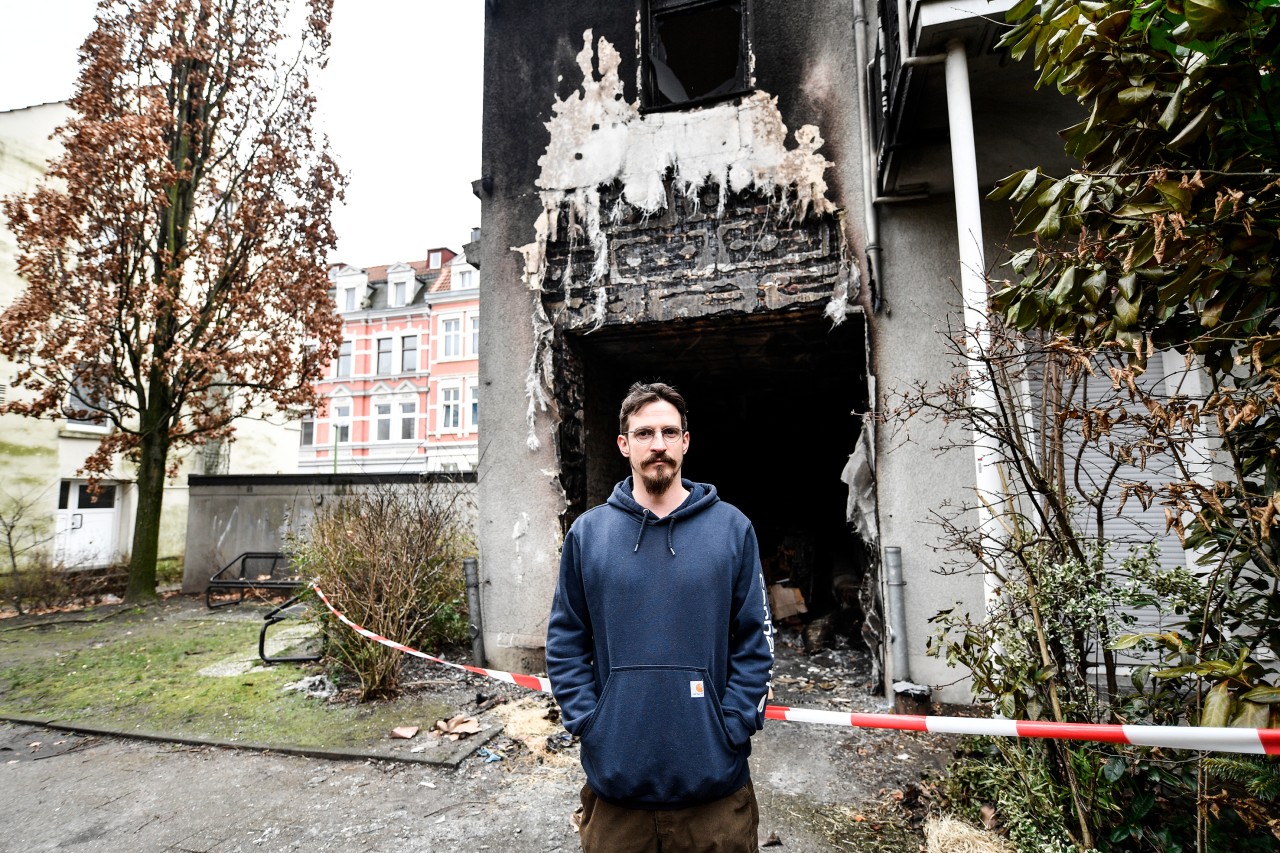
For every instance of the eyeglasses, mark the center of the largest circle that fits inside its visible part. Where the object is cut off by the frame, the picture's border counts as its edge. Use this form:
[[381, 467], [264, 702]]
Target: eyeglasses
[[645, 435]]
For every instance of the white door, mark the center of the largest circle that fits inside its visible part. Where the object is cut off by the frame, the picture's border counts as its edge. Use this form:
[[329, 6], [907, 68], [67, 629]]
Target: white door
[[87, 525]]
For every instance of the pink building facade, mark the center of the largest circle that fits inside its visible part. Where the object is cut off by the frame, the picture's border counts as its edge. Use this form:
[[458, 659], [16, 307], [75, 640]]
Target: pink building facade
[[403, 394]]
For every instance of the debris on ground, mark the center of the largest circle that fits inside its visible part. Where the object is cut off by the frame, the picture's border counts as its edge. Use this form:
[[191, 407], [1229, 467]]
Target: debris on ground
[[485, 702], [559, 741], [947, 834], [314, 686], [404, 732], [456, 727]]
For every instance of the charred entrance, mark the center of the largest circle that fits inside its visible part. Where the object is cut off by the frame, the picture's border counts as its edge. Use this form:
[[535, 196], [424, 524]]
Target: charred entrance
[[775, 404]]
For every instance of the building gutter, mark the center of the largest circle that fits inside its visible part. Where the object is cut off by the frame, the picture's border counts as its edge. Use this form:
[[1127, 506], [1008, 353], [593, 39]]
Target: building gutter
[[870, 218], [897, 614]]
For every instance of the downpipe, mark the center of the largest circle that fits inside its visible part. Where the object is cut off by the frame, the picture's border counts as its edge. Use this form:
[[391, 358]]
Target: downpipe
[[973, 287], [470, 569], [897, 613], [908, 698], [870, 217]]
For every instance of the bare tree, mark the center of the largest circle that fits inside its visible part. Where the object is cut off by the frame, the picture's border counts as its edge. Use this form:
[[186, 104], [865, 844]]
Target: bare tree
[[23, 535]]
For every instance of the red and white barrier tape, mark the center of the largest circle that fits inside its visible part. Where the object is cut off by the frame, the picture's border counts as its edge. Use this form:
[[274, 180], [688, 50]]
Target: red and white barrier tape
[[1205, 738], [532, 682], [1202, 738]]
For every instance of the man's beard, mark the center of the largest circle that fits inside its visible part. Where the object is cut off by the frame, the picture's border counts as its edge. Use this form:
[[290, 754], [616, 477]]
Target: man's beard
[[657, 483]]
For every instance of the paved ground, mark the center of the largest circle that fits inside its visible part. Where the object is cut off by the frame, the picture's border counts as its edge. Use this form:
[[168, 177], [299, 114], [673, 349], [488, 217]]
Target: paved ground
[[103, 794], [820, 788]]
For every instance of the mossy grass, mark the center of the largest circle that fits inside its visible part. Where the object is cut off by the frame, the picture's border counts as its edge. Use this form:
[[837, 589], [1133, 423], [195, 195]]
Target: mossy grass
[[146, 676]]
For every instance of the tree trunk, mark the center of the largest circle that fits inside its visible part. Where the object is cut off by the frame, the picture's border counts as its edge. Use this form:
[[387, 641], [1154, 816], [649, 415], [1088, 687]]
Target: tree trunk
[[146, 525]]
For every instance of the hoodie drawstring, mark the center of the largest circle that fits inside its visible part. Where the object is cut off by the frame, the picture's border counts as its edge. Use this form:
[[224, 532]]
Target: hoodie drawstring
[[644, 518], [671, 527]]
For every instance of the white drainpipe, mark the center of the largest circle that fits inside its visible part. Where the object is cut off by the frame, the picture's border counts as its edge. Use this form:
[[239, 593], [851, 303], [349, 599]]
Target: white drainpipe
[[973, 283], [871, 222]]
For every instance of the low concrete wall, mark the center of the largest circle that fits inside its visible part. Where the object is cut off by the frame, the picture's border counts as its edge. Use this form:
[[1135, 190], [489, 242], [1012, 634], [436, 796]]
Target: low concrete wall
[[229, 515]]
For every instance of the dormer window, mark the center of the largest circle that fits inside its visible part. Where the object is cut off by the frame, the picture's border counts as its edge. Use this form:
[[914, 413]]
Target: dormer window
[[464, 280], [399, 289], [695, 51], [433, 260], [348, 299]]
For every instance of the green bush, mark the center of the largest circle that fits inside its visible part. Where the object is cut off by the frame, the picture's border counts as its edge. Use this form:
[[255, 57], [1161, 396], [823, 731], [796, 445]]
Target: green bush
[[390, 559]]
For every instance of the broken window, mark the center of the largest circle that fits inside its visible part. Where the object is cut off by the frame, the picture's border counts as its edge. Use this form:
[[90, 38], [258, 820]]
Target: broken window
[[695, 51]]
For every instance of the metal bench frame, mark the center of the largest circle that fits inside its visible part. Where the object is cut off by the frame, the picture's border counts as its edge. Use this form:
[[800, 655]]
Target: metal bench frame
[[279, 614], [231, 577]]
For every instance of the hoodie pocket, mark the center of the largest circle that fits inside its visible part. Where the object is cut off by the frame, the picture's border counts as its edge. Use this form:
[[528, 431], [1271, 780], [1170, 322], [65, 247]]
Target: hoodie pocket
[[658, 736]]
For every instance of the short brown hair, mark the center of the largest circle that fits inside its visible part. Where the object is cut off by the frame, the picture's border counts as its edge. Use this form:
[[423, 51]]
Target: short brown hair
[[642, 394]]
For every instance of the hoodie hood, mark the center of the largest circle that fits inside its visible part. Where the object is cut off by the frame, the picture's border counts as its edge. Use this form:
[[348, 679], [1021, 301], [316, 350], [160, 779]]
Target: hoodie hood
[[701, 497]]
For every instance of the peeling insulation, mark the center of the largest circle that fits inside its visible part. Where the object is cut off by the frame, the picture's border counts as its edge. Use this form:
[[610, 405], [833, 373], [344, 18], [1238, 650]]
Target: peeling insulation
[[599, 141]]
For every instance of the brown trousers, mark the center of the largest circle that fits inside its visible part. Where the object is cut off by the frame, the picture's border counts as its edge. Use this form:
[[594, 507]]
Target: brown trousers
[[727, 825]]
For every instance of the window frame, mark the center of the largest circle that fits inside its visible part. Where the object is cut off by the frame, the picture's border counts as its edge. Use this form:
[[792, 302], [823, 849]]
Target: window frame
[[76, 400], [379, 352], [399, 292], [380, 419], [409, 417], [416, 338], [340, 424], [649, 93], [347, 351], [447, 404], [459, 337]]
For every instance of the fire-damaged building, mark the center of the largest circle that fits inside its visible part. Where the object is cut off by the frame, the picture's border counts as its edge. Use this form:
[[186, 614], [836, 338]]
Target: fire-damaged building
[[776, 207]]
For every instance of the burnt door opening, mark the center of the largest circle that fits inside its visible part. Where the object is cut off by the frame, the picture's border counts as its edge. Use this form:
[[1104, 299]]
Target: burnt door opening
[[775, 404]]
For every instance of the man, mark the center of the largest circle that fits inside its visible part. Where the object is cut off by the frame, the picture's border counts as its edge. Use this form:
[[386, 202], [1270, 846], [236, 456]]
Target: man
[[660, 649]]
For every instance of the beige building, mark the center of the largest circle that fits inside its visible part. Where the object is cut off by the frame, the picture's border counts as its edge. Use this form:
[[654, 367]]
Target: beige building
[[40, 460]]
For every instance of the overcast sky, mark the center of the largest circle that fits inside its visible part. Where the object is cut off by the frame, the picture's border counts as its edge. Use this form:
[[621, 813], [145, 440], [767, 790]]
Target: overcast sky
[[400, 101]]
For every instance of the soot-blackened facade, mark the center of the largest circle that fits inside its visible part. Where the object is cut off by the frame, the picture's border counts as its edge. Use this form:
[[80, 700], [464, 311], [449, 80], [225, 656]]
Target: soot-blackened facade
[[651, 211]]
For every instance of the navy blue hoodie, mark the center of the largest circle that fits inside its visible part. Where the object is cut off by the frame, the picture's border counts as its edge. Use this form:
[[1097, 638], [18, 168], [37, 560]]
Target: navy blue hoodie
[[660, 647]]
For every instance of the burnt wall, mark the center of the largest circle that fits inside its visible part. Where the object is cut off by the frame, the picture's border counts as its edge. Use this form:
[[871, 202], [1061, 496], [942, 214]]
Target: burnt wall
[[530, 58], [694, 261], [543, 460]]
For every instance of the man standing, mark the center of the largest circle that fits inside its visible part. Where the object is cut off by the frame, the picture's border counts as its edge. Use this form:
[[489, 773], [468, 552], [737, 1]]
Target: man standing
[[660, 648]]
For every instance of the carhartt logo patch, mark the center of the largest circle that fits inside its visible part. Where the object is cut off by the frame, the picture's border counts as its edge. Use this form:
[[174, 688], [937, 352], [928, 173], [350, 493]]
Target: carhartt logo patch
[[695, 689]]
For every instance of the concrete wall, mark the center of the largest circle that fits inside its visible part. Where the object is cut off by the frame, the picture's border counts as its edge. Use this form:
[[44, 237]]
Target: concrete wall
[[1015, 128], [230, 515], [259, 446]]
